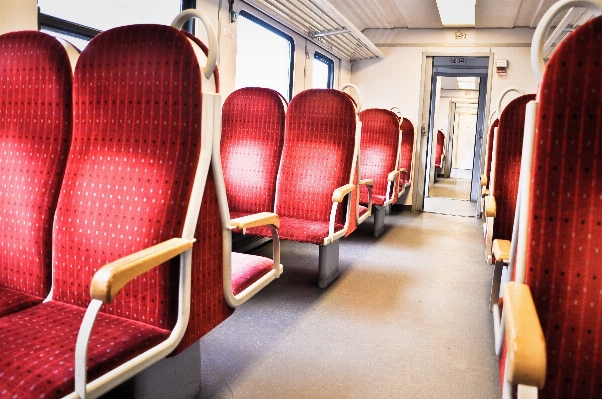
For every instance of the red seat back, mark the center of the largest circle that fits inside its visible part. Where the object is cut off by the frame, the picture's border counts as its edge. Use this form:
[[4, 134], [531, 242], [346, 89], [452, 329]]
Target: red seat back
[[317, 154], [35, 131], [509, 146], [133, 158], [407, 146], [378, 149], [251, 147], [565, 224], [490, 138], [439, 149]]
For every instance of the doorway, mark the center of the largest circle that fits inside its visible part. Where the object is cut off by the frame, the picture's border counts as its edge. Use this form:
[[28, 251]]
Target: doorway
[[454, 105]]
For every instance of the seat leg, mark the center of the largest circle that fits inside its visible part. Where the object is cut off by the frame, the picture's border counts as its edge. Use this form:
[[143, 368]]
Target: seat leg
[[328, 268], [172, 377], [495, 283], [379, 220]]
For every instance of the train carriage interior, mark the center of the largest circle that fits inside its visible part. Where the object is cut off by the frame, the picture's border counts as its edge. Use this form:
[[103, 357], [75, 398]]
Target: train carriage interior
[[217, 199]]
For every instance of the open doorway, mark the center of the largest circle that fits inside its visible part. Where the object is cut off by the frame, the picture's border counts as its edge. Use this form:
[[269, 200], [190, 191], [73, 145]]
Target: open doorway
[[453, 126]]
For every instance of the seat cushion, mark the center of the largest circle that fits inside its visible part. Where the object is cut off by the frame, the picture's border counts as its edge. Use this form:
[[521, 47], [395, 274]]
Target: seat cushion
[[376, 199], [37, 348], [298, 230], [246, 269], [13, 301], [362, 210]]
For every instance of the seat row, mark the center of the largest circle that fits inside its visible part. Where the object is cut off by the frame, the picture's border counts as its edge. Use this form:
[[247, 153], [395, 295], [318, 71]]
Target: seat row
[[123, 180], [542, 207]]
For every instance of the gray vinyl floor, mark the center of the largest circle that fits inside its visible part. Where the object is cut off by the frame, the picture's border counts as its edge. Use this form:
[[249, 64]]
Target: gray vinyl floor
[[407, 318]]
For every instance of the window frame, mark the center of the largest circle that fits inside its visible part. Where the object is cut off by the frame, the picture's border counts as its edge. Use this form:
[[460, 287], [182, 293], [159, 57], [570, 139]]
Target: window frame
[[246, 14], [70, 28], [329, 63]]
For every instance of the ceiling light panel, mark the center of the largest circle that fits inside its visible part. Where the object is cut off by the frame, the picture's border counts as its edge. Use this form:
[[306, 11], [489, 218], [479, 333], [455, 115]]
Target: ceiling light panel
[[457, 13]]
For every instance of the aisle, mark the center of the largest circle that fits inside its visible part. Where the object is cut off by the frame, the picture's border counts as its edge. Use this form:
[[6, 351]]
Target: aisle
[[407, 318]]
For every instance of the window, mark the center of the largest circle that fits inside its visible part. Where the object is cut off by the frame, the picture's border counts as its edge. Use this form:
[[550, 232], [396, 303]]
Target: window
[[264, 56], [323, 72], [79, 21]]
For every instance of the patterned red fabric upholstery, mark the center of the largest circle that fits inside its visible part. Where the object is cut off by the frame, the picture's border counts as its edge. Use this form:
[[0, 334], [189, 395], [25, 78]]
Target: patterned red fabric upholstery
[[407, 148], [378, 151], [316, 159], [490, 139], [251, 146], [294, 229], [35, 131], [208, 307], [246, 269], [13, 301], [507, 165], [37, 348], [439, 150], [563, 259]]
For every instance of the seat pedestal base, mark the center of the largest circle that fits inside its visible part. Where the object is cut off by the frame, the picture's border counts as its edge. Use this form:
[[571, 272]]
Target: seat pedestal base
[[173, 377], [328, 268], [379, 219], [496, 282]]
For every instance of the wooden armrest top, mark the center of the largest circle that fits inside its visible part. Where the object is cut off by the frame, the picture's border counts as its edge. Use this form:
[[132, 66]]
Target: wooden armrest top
[[403, 170], [526, 345], [367, 182], [112, 277], [490, 206], [257, 219], [341, 192], [501, 250], [483, 180], [393, 175]]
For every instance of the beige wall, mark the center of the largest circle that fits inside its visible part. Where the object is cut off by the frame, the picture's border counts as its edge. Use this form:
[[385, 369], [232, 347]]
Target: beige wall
[[396, 79], [18, 15]]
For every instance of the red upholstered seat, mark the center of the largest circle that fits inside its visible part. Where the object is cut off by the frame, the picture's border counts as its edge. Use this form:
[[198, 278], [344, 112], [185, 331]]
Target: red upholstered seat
[[134, 154], [407, 149], [316, 159], [34, 142], [490, 139], [509, 144], [439, 149], [379, 153], [246, 269], [37, 348], [251, 147], [312, 232], [565, 224]]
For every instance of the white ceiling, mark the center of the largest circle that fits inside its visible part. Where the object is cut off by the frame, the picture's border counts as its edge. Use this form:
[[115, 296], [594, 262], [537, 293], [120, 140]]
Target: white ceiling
[[388, 14]]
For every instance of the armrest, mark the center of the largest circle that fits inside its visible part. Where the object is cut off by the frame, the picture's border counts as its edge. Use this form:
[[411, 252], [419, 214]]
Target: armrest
[[393, 175], [341, 192], [501, 250], [257, 219], [483, 180], [403, 170], [367, 182], [526, 345], [490, 206], [112, 277]]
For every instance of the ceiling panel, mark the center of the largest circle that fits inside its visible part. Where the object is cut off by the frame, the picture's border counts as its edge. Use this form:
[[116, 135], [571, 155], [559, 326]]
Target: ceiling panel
[[531, 11], [497, 14], [419, 14], [363, 14]]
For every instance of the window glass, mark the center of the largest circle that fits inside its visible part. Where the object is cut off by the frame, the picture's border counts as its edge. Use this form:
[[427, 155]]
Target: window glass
[[322, 72], [107, 14], [263, 56]]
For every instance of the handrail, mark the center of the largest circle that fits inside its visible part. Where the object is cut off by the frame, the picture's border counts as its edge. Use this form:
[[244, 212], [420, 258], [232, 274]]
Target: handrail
[[508, 90], [492, 115], [399, 114], [357, 91], [184, 16], [544, 25]]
